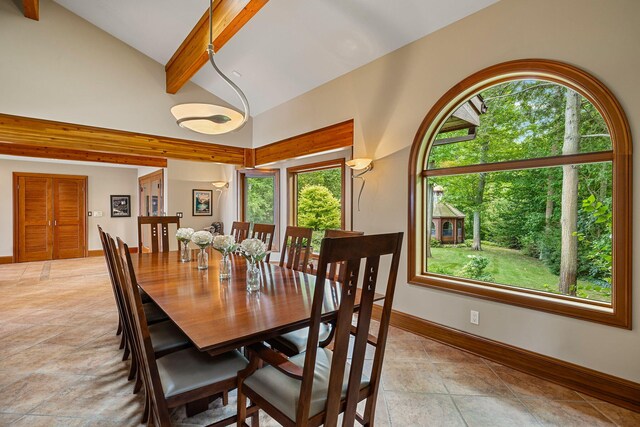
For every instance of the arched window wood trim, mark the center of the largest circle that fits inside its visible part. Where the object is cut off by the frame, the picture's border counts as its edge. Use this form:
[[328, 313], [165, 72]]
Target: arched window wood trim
[[618, 312]]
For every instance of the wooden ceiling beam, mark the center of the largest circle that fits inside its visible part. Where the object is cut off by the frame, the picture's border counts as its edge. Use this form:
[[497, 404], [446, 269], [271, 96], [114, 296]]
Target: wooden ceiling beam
[[46, 133], [329, 138], [31, 9], [229, 17], [79, 155]]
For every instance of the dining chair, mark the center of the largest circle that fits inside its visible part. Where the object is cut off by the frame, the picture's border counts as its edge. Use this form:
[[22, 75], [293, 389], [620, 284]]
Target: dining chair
[[165, 336], [295, 342], [264, 232], [240, 230], [296, 248], [181, 377], [154, 313], [159, 239], [314, 387]]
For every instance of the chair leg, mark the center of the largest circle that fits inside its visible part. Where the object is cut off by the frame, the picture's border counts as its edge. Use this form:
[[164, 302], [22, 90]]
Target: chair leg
[[225, 398], [138, 384], [132, 369], [123, 341], [242, 407], [119, 330], [255, 419], [145, 414], [126, 353]]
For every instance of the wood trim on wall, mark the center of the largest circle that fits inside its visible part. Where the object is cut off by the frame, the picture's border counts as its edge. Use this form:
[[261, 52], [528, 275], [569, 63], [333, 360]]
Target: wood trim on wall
[[38, 133], [229, 16], [6, 260], [328, 138], [46, 152], [616, 390], [618, 313]]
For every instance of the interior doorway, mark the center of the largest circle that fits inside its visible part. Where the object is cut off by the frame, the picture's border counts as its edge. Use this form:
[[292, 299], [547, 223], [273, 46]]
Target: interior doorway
[[50, 216], [151, 187]]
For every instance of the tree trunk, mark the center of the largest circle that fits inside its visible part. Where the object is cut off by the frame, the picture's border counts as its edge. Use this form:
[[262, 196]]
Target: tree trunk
[[548, 212], [569, 218], [477, 245], [429, 218]]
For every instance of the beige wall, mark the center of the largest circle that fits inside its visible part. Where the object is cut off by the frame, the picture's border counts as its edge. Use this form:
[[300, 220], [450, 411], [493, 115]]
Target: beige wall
[[388, 99], [102, 182], [64, 68], [183, 177]]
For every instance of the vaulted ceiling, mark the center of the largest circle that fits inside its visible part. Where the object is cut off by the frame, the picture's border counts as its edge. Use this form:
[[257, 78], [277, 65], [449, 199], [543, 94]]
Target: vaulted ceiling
[[288, 48]]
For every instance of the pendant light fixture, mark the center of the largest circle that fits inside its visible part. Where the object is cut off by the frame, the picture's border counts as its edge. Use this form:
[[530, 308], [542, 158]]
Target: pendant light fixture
[[208, 118]]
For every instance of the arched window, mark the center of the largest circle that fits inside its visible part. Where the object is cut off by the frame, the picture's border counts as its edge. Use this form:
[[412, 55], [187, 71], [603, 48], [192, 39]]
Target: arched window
[[537, 156], [433, 229], [447, 229]]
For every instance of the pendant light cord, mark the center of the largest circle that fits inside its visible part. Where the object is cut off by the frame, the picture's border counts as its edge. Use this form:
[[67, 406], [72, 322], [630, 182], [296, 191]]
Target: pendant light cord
[[241, 95]]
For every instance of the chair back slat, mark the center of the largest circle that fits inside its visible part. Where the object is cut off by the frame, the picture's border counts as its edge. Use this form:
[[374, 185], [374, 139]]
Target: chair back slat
[[159, 408], [264, 232], [350, 251], [336, 269], [296, 248], [159, 226], [240, 230]]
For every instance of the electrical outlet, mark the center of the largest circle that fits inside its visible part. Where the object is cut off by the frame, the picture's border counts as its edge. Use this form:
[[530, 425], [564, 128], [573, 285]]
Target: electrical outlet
[[475, 317]]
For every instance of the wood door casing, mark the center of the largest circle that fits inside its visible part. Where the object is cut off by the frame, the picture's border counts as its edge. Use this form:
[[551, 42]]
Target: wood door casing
[[69, 217], [49, 216], [35, 215]]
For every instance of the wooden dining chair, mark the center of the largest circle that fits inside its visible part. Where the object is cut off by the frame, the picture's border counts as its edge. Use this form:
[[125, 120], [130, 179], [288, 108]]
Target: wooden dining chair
[[314, 387], [165, 336], [160, 234], [181, 377], [295, 342], [240, 230], [264, 232], [296, 248]]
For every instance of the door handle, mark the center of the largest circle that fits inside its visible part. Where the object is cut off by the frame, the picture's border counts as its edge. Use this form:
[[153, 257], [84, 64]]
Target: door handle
[[49, 223], [55, 222]]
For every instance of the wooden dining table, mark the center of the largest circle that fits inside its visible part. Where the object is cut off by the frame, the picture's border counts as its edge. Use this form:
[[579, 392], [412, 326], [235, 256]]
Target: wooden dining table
[[220, 315]]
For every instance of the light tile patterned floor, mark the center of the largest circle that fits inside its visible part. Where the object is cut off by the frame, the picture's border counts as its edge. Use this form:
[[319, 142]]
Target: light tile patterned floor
[[60, 366]]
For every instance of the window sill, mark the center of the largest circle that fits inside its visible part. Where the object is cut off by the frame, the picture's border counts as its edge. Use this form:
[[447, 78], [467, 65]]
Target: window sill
[[593, 311]]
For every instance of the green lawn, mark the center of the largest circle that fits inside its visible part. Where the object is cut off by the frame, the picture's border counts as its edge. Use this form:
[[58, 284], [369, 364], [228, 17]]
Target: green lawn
[[510, 267]]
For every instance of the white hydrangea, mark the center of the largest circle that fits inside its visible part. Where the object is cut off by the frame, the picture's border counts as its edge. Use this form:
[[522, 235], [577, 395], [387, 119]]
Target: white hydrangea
[[184, 234], [202, 238], [224, 243], [253, 249]]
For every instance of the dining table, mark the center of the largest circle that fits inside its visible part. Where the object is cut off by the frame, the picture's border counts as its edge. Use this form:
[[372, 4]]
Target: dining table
[[219, 315]]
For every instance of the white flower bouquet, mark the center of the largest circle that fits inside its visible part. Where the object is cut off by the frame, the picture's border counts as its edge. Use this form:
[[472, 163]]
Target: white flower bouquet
[[184, 234], [225, 244], [202, 238], [253, 250]]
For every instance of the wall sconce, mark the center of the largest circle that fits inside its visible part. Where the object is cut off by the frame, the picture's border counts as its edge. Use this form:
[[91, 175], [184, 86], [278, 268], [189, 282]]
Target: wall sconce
[[360, 167], [219, 186]]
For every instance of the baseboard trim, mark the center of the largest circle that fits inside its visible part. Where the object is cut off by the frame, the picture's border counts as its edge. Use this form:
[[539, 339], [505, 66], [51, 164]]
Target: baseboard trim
[[618, 391], [6, 260], [100, 252]]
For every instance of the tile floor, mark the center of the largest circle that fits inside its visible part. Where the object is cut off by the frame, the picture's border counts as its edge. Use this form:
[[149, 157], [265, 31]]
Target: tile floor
[[60, 366]]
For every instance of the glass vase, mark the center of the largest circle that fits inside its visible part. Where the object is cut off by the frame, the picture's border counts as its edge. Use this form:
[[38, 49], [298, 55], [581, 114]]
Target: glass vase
[[225, 267], [203, 259], [185, 252], [253, 277]]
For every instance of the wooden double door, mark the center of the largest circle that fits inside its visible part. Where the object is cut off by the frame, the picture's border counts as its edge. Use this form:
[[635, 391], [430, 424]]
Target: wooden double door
[[50, 214]]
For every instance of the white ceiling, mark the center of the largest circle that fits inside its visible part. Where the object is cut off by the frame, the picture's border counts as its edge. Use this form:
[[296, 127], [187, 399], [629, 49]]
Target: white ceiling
[[288, 48]]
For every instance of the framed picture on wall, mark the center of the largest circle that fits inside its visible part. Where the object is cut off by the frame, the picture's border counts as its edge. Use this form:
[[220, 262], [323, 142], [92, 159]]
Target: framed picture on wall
[[202, 202], [120, 206]]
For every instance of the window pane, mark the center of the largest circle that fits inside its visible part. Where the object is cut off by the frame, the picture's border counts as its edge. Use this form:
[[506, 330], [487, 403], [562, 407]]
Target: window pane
[[319, 201], [260, 201], [522, 218], [517, 120]]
